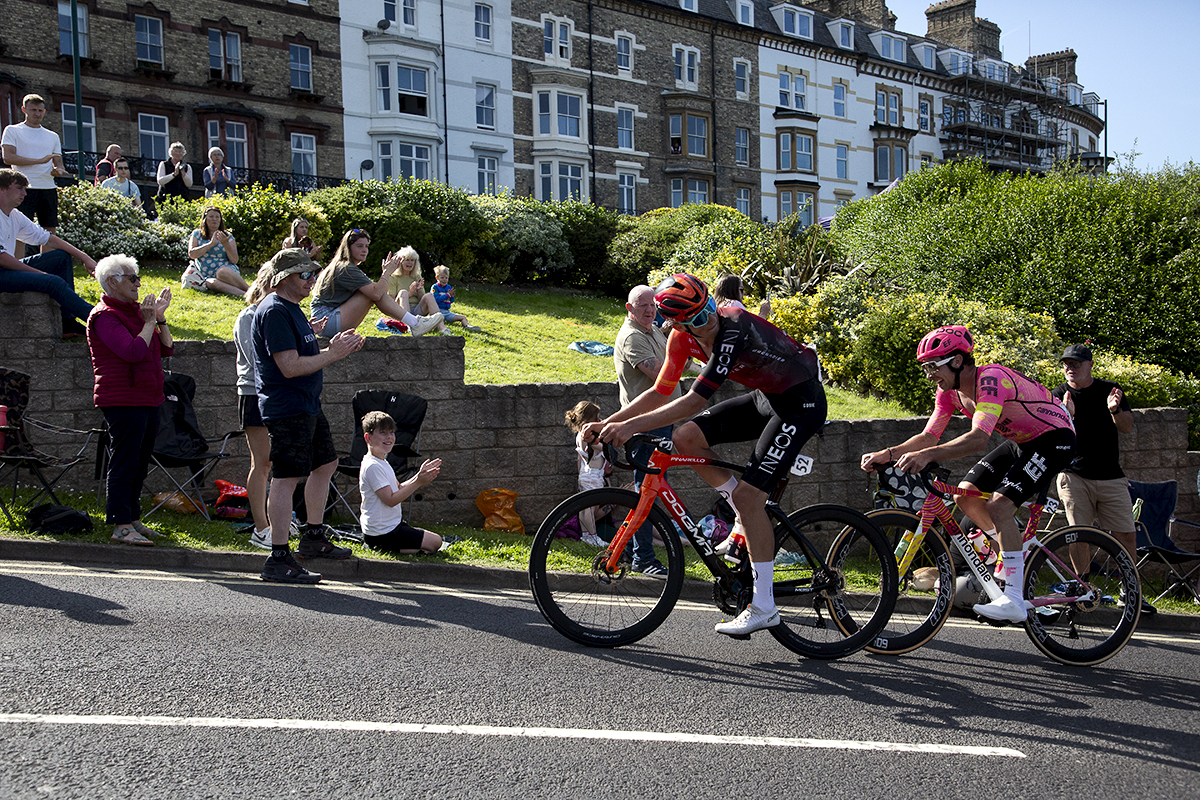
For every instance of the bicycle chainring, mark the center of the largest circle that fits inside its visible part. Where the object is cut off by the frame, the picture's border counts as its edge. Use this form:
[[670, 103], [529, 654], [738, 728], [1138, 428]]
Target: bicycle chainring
[[732, 596]]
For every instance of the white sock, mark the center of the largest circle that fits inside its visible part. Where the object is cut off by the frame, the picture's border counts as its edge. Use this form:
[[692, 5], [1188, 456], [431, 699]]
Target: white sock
[[726, 491], [409, 319], [1014, 575], [764, 589]]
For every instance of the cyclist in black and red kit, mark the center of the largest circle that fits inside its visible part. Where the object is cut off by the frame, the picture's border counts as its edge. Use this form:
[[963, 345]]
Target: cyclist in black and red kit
[[785, 410]]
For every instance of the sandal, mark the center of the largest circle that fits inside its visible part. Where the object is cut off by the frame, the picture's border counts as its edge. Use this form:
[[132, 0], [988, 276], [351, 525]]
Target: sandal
[[130, 535], [144, 531]]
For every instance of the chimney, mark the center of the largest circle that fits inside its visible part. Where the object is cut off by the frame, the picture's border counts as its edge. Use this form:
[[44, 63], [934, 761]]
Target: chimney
[[1061, 65], [954, 22], [874, 12]]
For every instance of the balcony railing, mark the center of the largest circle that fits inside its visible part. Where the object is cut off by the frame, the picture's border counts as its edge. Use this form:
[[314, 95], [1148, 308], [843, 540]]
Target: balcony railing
[[145, 170]]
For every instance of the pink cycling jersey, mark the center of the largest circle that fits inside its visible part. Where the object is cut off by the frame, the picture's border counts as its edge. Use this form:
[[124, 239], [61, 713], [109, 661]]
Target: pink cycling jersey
[[1007, 402]]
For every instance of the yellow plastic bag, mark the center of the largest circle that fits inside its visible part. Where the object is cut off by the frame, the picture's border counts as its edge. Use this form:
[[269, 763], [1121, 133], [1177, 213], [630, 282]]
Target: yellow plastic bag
[[499, 514]]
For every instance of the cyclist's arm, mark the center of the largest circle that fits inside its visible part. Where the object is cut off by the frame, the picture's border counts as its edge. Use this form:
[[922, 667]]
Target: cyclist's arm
[[679, 409], [970, 442], [889, 454]]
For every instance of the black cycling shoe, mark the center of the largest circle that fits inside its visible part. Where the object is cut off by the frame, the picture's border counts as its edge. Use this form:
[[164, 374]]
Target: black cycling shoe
[[317, 545], [286, 570]]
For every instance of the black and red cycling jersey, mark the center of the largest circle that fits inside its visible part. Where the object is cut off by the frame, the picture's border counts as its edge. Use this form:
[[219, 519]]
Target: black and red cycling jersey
[[748, 349]]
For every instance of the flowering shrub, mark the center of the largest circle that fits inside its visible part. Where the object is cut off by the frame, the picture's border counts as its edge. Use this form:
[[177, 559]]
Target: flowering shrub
[[528, 244], [101, 222]]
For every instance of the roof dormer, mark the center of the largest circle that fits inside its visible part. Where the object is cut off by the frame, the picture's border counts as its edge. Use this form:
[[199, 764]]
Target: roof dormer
[[793, 20], [927, 54], [689, 5], [842, 31], [890, 46], [743, 12], [956, 62]]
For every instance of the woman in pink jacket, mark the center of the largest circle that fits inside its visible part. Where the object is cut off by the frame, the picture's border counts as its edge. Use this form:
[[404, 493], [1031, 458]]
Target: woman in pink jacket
[[128, 340]]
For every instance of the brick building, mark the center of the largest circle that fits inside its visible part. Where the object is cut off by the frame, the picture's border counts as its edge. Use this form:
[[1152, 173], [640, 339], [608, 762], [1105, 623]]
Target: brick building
[[261, 79]]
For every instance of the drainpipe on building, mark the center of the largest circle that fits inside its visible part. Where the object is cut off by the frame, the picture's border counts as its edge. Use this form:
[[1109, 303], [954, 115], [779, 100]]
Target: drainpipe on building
[[445, 107], [78, 88], [712, 100], [591, 110]]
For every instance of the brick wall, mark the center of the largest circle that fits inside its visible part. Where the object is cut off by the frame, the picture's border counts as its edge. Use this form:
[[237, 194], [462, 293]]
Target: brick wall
[[499, 436]]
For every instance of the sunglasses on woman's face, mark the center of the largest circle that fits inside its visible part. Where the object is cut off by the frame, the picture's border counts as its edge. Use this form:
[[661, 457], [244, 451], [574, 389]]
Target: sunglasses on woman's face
[[134, 279]]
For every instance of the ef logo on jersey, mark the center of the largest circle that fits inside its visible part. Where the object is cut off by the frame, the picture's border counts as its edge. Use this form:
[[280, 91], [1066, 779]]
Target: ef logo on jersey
[[1036, 467], [989, 385]]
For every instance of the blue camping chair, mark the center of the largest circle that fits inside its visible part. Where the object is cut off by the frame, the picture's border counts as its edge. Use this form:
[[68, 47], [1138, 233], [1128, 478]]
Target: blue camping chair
[[1154, 542]]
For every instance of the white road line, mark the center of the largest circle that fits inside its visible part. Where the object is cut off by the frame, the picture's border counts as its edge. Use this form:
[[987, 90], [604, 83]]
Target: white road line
[[496, 730]]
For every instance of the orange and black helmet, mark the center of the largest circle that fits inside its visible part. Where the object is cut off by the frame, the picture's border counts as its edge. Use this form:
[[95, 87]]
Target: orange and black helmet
[[681, 297]]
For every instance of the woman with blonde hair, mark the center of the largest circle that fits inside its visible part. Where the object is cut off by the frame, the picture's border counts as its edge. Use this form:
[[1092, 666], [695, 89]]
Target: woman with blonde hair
[[407, 285], [344, 294], [174, 175]]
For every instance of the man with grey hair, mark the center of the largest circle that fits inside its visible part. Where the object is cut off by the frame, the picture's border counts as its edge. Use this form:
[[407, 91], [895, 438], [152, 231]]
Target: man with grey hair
[[288, 364]]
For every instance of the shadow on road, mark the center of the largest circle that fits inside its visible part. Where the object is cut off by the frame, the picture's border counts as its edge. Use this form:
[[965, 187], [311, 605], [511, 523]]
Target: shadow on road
[[85, 608]]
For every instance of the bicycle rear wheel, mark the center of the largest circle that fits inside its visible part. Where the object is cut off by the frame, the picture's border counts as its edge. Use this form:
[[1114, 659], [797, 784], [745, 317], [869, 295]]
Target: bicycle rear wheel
[[926, 589], [1082, 633], [576, 594], [831, 611]]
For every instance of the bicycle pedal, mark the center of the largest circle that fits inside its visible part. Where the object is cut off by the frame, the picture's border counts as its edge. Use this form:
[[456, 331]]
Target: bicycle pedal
[[744, 637]]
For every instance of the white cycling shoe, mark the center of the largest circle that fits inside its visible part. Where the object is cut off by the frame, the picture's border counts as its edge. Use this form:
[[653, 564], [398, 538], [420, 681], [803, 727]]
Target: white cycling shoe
[[751, 620], [1003, 609]]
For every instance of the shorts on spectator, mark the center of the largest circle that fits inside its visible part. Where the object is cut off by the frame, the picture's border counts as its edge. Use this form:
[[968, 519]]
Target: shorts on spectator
[[402, 537], [299, 445], [333, 319], [44, 204], [248, 414], [1102, 504]]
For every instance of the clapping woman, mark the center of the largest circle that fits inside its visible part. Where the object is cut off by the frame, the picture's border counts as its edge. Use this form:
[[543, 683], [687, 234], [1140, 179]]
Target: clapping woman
[[214, 257]]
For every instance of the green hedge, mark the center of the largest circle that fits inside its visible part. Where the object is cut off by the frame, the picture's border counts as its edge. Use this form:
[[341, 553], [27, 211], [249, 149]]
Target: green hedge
[[101, 222]]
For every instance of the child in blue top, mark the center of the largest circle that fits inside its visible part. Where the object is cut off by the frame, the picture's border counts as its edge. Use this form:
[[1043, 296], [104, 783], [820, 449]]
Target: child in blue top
[[443, 293]]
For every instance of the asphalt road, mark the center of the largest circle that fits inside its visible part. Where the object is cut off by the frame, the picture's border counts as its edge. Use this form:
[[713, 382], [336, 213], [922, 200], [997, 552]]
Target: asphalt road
[[142, 683]]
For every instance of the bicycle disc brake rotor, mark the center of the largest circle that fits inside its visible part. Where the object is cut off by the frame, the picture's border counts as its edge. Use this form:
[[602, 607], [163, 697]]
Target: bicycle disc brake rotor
[[1088, 605], [600, 569], [834, 583]]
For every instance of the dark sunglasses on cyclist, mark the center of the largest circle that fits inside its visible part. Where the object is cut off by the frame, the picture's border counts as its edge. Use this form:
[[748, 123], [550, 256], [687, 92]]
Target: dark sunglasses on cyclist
[[930, 367], [701, 317]]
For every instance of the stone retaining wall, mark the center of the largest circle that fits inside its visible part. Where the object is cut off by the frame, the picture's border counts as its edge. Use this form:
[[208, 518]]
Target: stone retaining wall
[[509, 436]]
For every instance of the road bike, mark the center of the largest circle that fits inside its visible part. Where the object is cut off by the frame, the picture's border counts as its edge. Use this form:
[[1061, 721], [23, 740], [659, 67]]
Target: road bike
[[831, 604], [1074, 619]]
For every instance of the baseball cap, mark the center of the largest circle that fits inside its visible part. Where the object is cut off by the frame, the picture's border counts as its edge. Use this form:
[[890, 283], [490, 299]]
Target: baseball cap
[[1077, 352], [290, 261]]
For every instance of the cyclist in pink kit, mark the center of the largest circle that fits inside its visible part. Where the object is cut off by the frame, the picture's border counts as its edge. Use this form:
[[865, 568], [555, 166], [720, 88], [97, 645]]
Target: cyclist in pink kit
[[1041, 442]]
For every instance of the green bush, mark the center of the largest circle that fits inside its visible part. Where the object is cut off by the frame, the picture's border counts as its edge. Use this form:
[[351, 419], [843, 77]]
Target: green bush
[[1149, 386], [589, 231], [101, 222], [528, 244], [645, 247]]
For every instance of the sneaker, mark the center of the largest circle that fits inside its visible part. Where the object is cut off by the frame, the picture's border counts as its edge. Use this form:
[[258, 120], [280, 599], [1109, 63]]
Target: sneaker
[[1147, 609], [654, 569], [473, 328], [426, 324], [317, 545], [261, 538], [1003, 609], [593, 540], [751, 620], [286, 570]]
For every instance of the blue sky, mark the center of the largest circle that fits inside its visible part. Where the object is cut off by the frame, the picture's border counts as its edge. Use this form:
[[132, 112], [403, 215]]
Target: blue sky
[[1131, 54]]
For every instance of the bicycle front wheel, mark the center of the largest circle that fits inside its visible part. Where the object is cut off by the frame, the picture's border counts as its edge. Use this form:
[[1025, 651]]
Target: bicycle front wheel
[[926, 588], [576, 593], [1089, 631], [837, 609]]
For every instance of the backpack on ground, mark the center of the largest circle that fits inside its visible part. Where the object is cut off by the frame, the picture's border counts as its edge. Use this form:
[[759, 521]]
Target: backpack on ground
[[51, 519]]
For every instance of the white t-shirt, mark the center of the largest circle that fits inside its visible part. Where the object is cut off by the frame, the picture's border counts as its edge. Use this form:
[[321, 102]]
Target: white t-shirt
[[376, 518], [34, 143], [16, 226], [591, 471]]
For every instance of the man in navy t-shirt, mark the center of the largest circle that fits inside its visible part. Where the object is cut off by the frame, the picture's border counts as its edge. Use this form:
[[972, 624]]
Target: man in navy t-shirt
[[288, 363]]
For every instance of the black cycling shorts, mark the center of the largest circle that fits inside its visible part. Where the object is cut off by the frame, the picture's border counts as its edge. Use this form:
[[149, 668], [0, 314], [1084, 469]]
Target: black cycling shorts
[[1019, 471], [782, 423]]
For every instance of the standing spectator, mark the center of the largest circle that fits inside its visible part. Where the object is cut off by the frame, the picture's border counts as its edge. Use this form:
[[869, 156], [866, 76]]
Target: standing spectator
[[37, 152], [107, 166], [407, 285], [639, 353], [288, 364], [299, 238], [344, 294], [122, 185], [50, 272], [174, 176], [214, 257], [128, 341], [1093, 488], [248, 414], [216, 174]]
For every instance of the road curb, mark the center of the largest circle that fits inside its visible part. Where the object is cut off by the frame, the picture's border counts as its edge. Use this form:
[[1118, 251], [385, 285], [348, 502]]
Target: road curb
[[367, 569]]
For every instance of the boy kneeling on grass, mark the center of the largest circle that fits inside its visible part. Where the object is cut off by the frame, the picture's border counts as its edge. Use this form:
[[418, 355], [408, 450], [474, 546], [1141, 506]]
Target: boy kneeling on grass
[[382, 520]]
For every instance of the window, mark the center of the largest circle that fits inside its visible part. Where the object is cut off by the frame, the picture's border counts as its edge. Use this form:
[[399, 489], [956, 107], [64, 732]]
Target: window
[[839, 99], [224, 56], [741, 147], [687, 5], [887, 108], [385, 156], [389, 13], [846, 35], [383, 86], [892, 47], [64, 28], [785, 205], [741, 79], [899, 162], [152, 136], [569, 115], [410, 12], [924, 116], [687, 63], [412, 94], [625, 128], [891, 162], [412, 160], [1074, 141], [805, 205], [843, 161], [789, 21], [796, 23], [893, 109], [743, 200], [570, 181], [626, 193], [149, 39], [958, 64], [745, 12], [304, 154], [485, 107], [624, 54], [483, 24], [488, 170], [785, 152], [567, 111], [300, 64], [927, 57], [795, 152], [69, 129], [230, 137], [793, 91], [696, 191], [697, 135], [556, 40], [1075, 95]]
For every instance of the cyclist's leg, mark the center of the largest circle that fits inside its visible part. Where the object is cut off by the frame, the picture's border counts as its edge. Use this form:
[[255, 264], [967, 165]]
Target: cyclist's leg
[[734, 420], [985, 477]]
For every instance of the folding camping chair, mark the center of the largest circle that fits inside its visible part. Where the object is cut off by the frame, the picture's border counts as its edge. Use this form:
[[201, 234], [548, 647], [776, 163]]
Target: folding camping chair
[[18, 453], [408, 411], [179, 444], [1154, 522]]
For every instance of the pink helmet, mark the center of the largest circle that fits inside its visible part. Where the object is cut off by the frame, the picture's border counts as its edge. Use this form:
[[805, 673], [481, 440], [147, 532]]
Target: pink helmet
[[945, 341]]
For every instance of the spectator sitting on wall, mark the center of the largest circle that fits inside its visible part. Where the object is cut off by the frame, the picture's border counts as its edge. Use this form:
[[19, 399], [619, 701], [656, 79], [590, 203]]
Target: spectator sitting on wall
[[407, 285], [299, 238], [344, 294], [107, 166], [214, 257], [122, 185], [174, 176], [37, 153], [51, 271], [216, 174]]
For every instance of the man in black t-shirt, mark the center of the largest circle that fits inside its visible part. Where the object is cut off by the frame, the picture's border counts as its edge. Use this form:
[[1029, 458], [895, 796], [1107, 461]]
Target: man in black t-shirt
[[1094, 489]]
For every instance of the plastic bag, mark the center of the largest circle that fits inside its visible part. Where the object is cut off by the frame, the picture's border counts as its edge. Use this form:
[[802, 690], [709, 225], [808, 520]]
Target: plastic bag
[[499, 514], [176, 502]]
